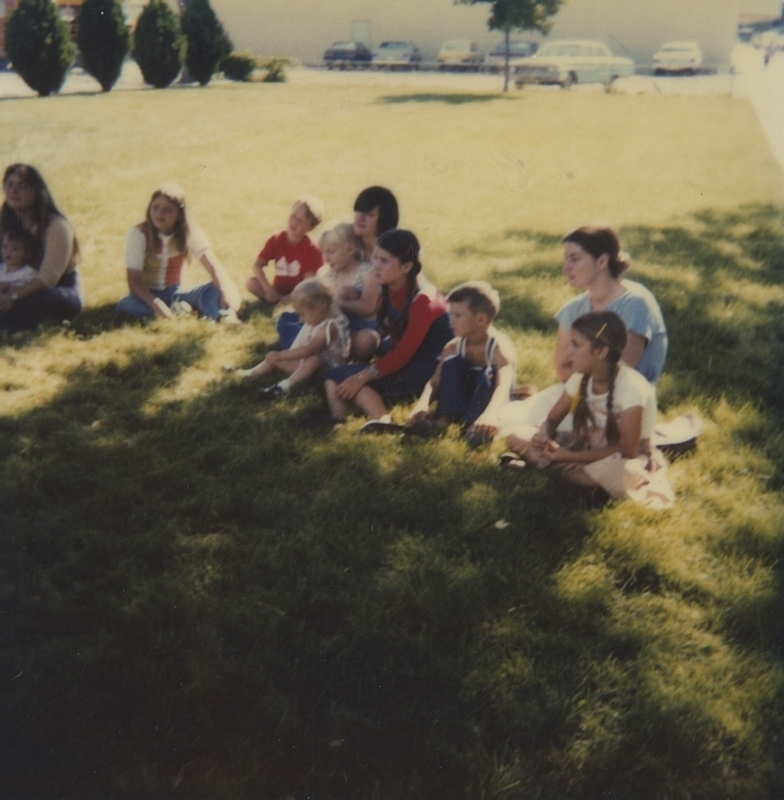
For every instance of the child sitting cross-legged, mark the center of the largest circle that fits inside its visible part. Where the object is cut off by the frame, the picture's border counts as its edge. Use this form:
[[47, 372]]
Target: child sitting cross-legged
[[322, 343], [614, 409], [476, 372]]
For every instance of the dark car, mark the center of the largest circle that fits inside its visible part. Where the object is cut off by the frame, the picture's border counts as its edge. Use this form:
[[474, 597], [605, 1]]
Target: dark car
[[348, 54], [497, 56]]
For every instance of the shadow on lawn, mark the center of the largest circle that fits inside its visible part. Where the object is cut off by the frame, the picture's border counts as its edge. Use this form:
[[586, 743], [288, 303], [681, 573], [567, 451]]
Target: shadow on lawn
[[202, 595], [454, 99]]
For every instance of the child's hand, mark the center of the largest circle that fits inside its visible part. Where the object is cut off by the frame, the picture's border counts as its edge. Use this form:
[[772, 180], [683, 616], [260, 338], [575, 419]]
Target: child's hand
[[484, 425], [162, 311], [351, 386], [273, 357]]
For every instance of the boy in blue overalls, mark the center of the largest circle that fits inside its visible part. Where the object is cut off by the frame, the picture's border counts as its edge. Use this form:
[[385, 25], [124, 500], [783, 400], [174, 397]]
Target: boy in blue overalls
[[475, 375]]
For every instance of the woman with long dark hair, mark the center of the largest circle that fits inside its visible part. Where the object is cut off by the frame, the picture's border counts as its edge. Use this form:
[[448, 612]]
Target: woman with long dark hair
[[55, 293], [414, 327]]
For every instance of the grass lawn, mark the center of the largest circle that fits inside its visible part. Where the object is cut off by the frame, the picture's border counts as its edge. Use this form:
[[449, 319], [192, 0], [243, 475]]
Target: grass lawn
[[199, 599]]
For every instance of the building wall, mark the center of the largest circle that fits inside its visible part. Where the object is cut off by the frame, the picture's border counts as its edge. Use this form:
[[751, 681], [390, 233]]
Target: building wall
[[305, 28]]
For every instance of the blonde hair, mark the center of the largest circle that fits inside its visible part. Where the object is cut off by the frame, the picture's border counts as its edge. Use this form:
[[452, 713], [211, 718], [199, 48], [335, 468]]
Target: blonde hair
[[174, 194], [314, 207], [312, 293], [342, 234]]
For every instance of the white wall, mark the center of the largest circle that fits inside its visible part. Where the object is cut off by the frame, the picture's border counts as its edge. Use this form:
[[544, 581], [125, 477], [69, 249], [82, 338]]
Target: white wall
[[305, 28]]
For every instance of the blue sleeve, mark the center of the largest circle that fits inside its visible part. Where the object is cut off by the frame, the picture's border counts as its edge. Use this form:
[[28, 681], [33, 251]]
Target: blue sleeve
[[568, 313]]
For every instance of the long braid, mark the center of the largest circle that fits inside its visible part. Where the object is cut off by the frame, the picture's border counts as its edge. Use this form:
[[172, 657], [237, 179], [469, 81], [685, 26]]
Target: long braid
[[611, 428], [583, 417]]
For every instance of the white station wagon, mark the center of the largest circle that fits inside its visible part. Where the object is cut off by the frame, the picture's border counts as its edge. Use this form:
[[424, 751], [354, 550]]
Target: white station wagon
[[571, 61]]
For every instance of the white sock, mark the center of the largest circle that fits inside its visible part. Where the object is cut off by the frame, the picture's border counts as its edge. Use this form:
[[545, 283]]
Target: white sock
[[285, 384]]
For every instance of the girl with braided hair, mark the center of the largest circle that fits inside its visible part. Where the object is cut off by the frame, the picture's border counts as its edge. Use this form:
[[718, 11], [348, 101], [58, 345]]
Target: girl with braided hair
[[414, 328], [614, 410]]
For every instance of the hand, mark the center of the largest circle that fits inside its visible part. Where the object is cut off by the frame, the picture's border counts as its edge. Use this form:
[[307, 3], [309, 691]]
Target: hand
[[351, 386], [484, 426], [161, 310]]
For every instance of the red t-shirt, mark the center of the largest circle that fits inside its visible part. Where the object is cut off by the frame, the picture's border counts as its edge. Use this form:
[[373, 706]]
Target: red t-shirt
[[293, 262], [425, 309]]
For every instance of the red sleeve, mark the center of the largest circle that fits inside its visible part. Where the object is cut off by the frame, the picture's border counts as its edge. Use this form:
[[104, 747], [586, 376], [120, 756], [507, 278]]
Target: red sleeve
[[421, 313], [270, 250], [312, 261]]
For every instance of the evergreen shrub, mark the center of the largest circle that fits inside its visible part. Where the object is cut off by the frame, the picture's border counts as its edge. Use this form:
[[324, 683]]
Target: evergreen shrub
[[38, 43], [238, 66], [208, 42], [103, 39], [159, 45]]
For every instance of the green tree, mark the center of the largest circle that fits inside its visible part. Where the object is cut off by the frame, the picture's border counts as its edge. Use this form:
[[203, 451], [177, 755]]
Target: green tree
[[38, 43], [158, 44], [521, 15], [208, 42], [103, 40]]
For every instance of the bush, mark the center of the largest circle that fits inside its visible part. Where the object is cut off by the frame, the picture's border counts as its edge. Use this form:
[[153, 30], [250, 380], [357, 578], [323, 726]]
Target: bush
[[276, 69], [238, 66], [159, 45], [208, 42], [39, 44], [103, 40]]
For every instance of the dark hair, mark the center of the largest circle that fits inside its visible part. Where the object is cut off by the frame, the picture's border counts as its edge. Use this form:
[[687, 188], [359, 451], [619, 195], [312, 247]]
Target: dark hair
[[25, 238], [382, 199], [43, 210], [598, 241], [479, 296], [602, 329], [404, 246]]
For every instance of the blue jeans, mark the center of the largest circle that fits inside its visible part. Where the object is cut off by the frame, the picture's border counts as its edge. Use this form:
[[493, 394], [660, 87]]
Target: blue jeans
[[61, 302], [206, 299], [465, 390]]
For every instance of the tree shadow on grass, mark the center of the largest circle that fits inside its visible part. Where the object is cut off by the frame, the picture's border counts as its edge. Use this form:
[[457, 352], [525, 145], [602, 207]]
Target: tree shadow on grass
[[202, 594], [454, 99]]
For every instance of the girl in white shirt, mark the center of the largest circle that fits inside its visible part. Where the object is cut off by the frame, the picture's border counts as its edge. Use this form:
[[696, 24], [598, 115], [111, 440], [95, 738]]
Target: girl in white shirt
[[614, 410], [156, 254]]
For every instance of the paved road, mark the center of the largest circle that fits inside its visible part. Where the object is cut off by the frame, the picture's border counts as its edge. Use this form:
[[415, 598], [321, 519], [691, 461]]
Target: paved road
[[763, 85]]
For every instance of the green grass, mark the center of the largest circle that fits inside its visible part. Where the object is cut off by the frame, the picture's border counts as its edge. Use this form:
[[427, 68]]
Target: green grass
[[199, 599]]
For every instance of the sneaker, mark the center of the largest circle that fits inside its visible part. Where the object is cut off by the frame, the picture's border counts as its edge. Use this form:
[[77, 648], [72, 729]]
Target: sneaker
[[511, 461], [271, 393], [377, 426], [424, 428], [181, 308], [228, 316]]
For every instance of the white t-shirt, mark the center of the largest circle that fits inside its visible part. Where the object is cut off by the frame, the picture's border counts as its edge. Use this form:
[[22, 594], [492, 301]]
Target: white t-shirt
[[165, 267], [17, 277], [631, 389]]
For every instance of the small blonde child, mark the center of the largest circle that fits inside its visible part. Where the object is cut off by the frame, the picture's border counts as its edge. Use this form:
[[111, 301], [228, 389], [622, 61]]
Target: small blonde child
[[356, 288], [321, 344]]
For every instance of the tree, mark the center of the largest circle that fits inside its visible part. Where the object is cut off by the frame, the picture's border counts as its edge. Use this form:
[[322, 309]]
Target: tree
[[38, 43], [159, 45], [208, 43], [103, 40], [522, 15]]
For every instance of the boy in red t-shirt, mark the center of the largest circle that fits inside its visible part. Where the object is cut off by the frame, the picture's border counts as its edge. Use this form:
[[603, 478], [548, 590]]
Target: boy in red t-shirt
[[294, 254]]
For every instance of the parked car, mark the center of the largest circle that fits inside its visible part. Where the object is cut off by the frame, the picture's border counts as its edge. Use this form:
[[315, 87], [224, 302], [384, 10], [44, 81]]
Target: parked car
[[677, 57], [517, 50], [763, 39], [397, 54], [459, 53], [570, 61], [348, 54]]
